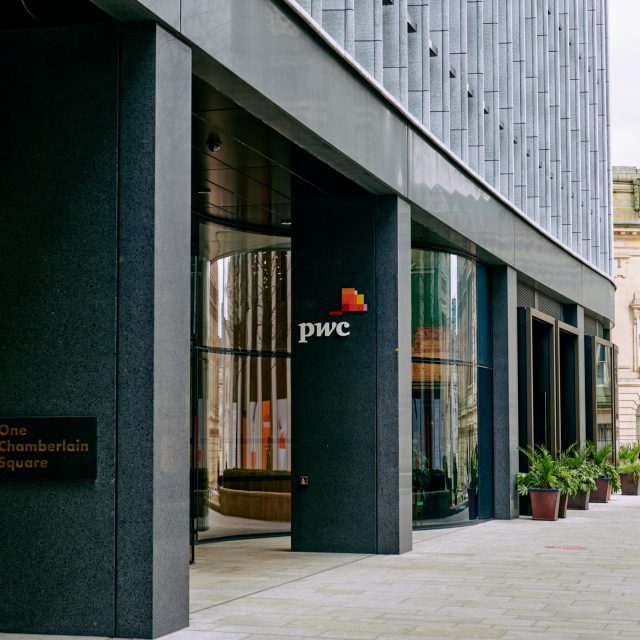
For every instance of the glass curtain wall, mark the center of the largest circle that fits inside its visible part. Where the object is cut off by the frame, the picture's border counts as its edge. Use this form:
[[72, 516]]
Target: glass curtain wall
[[445, 408], [604, 396], [242, 453], [600, 387]]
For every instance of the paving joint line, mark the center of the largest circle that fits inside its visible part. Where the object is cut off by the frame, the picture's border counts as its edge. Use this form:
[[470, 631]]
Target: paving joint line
[[444, 533], [253, 593], [298, 579]]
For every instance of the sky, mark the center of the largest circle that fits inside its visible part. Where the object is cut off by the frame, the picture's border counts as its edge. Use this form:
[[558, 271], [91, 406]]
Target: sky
[[624, 78]]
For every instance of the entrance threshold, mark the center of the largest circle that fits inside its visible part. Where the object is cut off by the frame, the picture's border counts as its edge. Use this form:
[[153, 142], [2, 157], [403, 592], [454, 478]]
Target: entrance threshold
[[235, 569]]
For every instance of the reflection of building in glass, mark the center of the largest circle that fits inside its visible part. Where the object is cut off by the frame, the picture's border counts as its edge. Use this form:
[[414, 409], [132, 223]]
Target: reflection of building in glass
[[444, 381], [626, 246], [604, 396], [243, 443]]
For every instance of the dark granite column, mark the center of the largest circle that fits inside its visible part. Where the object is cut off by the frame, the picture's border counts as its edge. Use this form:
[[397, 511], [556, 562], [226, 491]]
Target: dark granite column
[[152, 516], [350, 393], [94, 212], [504, 290], [582, 399]]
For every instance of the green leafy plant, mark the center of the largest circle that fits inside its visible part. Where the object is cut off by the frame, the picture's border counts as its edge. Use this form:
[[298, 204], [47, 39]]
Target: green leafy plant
[[577, 461], [628, 462], [601, 459], [541, 473], [628, 453], [631, 468], [599, 456], [567, 478]]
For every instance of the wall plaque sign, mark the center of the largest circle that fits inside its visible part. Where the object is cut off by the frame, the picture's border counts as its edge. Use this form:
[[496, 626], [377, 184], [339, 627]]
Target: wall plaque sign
[[43, 447]]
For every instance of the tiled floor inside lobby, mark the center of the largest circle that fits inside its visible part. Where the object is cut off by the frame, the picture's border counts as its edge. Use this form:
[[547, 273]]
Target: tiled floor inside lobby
[[572, 579]]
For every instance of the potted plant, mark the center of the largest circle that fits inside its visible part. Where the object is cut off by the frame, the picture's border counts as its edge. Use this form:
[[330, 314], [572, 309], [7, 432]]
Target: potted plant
[[607, 476], [577, 459], [630, 478], [568, 481], [629, 469], [540, 483]]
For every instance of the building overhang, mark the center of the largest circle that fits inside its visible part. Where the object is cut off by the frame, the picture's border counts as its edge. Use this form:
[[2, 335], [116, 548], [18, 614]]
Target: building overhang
[[270, 58]]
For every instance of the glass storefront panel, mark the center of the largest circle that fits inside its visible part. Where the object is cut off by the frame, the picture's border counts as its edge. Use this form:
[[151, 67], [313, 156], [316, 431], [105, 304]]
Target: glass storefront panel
[[604, 396], [242, 452], [443, 306], [243, 447], [242, 371], [445, 410], [445, 440]]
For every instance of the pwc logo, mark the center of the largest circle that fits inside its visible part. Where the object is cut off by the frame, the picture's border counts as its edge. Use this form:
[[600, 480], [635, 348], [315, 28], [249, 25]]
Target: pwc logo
[[352, 302]]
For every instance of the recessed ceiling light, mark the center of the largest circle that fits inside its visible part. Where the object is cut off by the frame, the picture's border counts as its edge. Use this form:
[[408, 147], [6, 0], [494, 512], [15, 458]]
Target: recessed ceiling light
[[214, 143], [286, 222]]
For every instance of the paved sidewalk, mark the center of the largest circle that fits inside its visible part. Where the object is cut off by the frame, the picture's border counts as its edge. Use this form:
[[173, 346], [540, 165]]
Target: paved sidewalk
[[572, 579]]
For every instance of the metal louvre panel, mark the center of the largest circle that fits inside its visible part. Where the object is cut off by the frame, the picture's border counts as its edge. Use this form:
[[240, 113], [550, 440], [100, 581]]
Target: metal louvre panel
[[526, 296], [591, 326], [550, 306]]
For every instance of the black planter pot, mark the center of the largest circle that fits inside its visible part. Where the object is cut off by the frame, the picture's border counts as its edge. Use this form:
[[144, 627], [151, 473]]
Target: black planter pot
[[562, 508], [544, 503], [630, 484], [579, 501], [602, 492]]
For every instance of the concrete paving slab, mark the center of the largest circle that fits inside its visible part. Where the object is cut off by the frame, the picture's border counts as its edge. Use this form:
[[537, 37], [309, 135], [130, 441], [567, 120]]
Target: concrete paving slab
[[574, 579]]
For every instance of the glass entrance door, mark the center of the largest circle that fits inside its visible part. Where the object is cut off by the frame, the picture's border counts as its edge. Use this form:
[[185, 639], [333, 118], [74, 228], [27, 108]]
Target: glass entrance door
[[241, 455], [567, 404], [538, 392]]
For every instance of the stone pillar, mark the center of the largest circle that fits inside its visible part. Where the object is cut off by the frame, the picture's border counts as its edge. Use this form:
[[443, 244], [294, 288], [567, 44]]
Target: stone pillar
[[505, 390], [351, 386], [95, 287], [153, 347], [581, 418], [635, 310]]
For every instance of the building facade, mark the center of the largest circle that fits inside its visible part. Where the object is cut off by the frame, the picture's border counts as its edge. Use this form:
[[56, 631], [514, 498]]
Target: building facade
[[272, 266], [626, 255]]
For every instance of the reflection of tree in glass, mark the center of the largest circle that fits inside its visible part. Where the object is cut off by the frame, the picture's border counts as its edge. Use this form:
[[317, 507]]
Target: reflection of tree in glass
[[255, 292]]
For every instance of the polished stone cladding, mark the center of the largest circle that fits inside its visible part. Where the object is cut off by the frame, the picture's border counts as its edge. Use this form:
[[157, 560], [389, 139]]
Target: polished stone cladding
[[353, 442], [95, 323], [518, 90], [51, 531]]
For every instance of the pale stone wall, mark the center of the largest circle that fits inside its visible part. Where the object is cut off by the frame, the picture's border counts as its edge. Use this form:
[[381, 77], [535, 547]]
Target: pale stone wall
[[626, 333]]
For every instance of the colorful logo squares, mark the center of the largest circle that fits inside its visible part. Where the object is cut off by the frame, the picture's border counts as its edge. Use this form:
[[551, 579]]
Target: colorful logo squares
[[352, 301]]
